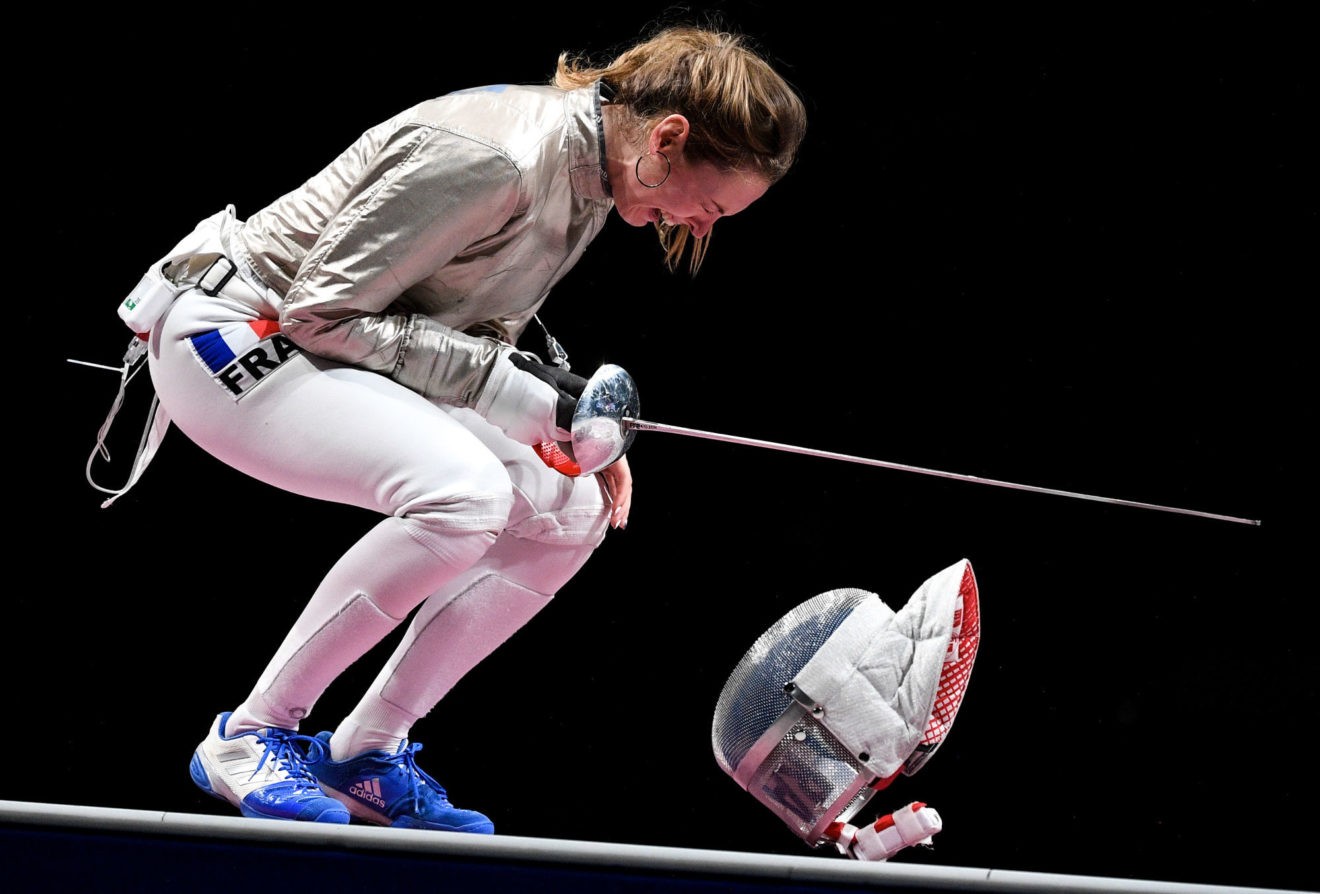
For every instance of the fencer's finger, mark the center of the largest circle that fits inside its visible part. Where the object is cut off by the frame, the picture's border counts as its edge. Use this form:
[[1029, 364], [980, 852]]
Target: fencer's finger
[[621, 512], [616, 483], [620, 508], [618, 479]]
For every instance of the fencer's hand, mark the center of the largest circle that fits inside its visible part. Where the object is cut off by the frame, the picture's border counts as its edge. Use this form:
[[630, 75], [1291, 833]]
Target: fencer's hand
[[531, 401], [616, 479], [568, 386]]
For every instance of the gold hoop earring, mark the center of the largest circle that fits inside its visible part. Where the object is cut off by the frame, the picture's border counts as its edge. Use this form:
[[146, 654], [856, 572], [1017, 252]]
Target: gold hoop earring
[[637, 170]]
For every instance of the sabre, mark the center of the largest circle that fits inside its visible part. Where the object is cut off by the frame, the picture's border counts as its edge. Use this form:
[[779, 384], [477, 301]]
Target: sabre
[[631, 424], [605, 424]]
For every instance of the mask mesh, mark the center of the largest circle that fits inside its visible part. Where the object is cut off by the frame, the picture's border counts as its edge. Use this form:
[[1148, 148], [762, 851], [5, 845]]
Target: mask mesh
[[807, 773], [806, 777], [753, 698]]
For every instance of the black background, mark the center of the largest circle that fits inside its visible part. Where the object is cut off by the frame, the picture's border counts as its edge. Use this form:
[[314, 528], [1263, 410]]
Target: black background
[[1073, 250]]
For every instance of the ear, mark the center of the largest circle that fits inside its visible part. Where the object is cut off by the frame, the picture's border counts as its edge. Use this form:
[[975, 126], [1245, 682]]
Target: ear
[[670, 135]]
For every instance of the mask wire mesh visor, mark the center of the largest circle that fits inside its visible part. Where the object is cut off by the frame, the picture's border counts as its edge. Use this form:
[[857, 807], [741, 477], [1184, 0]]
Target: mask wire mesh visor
[[842, 694]]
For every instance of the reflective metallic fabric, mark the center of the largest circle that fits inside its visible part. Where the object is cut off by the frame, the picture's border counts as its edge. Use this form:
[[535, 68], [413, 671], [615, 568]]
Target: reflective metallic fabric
[[461, 210]]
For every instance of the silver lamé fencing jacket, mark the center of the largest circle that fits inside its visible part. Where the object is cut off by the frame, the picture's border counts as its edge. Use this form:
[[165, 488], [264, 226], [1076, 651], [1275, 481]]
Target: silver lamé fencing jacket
[[464, 209]]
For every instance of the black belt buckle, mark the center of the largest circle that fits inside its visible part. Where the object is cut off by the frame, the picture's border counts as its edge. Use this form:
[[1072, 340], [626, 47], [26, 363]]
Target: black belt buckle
[[217, 276]]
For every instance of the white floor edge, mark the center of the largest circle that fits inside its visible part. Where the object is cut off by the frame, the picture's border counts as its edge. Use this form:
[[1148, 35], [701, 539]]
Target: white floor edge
[[553, 851]]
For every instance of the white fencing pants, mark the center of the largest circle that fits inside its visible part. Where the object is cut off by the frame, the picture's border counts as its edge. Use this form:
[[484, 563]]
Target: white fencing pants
[[468, 515]]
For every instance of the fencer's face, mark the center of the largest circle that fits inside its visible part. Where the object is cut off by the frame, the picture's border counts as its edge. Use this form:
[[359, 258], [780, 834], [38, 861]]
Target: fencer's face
[[693, 194]]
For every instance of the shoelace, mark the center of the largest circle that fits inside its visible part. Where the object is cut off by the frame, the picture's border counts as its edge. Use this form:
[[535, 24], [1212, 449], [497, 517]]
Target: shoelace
[[406, 759], [280, 748]]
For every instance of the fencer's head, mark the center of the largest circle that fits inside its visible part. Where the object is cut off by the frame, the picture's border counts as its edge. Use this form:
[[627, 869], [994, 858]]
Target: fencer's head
[[698, 113]]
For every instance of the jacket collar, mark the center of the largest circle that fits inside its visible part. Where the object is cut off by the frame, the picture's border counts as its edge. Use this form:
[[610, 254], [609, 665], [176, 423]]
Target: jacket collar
[[586, 143]]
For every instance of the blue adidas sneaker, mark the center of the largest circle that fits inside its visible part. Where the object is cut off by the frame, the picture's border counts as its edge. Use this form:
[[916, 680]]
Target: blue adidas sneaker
[[391, 790], [264, 774]]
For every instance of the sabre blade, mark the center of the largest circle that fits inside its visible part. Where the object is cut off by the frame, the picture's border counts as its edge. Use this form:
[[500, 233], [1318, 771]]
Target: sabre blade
[[645, 425]]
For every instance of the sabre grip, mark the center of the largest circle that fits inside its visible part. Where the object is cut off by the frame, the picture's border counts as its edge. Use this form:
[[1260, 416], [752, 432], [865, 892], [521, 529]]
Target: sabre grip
[[530, 401], [568, 386]]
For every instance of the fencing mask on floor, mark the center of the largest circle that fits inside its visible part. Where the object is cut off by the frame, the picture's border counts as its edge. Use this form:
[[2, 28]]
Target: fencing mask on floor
[[843, 694]]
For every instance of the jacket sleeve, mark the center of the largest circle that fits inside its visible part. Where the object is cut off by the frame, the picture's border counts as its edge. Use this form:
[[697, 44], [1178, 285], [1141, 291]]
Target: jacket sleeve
[[424, 198]]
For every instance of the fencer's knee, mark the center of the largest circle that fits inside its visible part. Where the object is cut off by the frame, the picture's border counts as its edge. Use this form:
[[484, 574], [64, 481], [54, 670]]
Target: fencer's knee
[[560, 511], [571, 525], [460, 520]]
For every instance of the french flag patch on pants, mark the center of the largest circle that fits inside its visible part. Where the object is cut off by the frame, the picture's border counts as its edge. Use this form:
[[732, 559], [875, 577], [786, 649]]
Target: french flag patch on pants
[[240, 355]]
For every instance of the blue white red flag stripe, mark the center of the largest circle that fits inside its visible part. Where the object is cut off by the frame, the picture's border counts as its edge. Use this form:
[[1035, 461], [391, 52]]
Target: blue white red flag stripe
[[218, 348]]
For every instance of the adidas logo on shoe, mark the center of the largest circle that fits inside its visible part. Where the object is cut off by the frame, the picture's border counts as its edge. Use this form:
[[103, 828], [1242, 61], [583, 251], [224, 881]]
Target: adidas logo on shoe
[[389, 789], [368, 790]]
